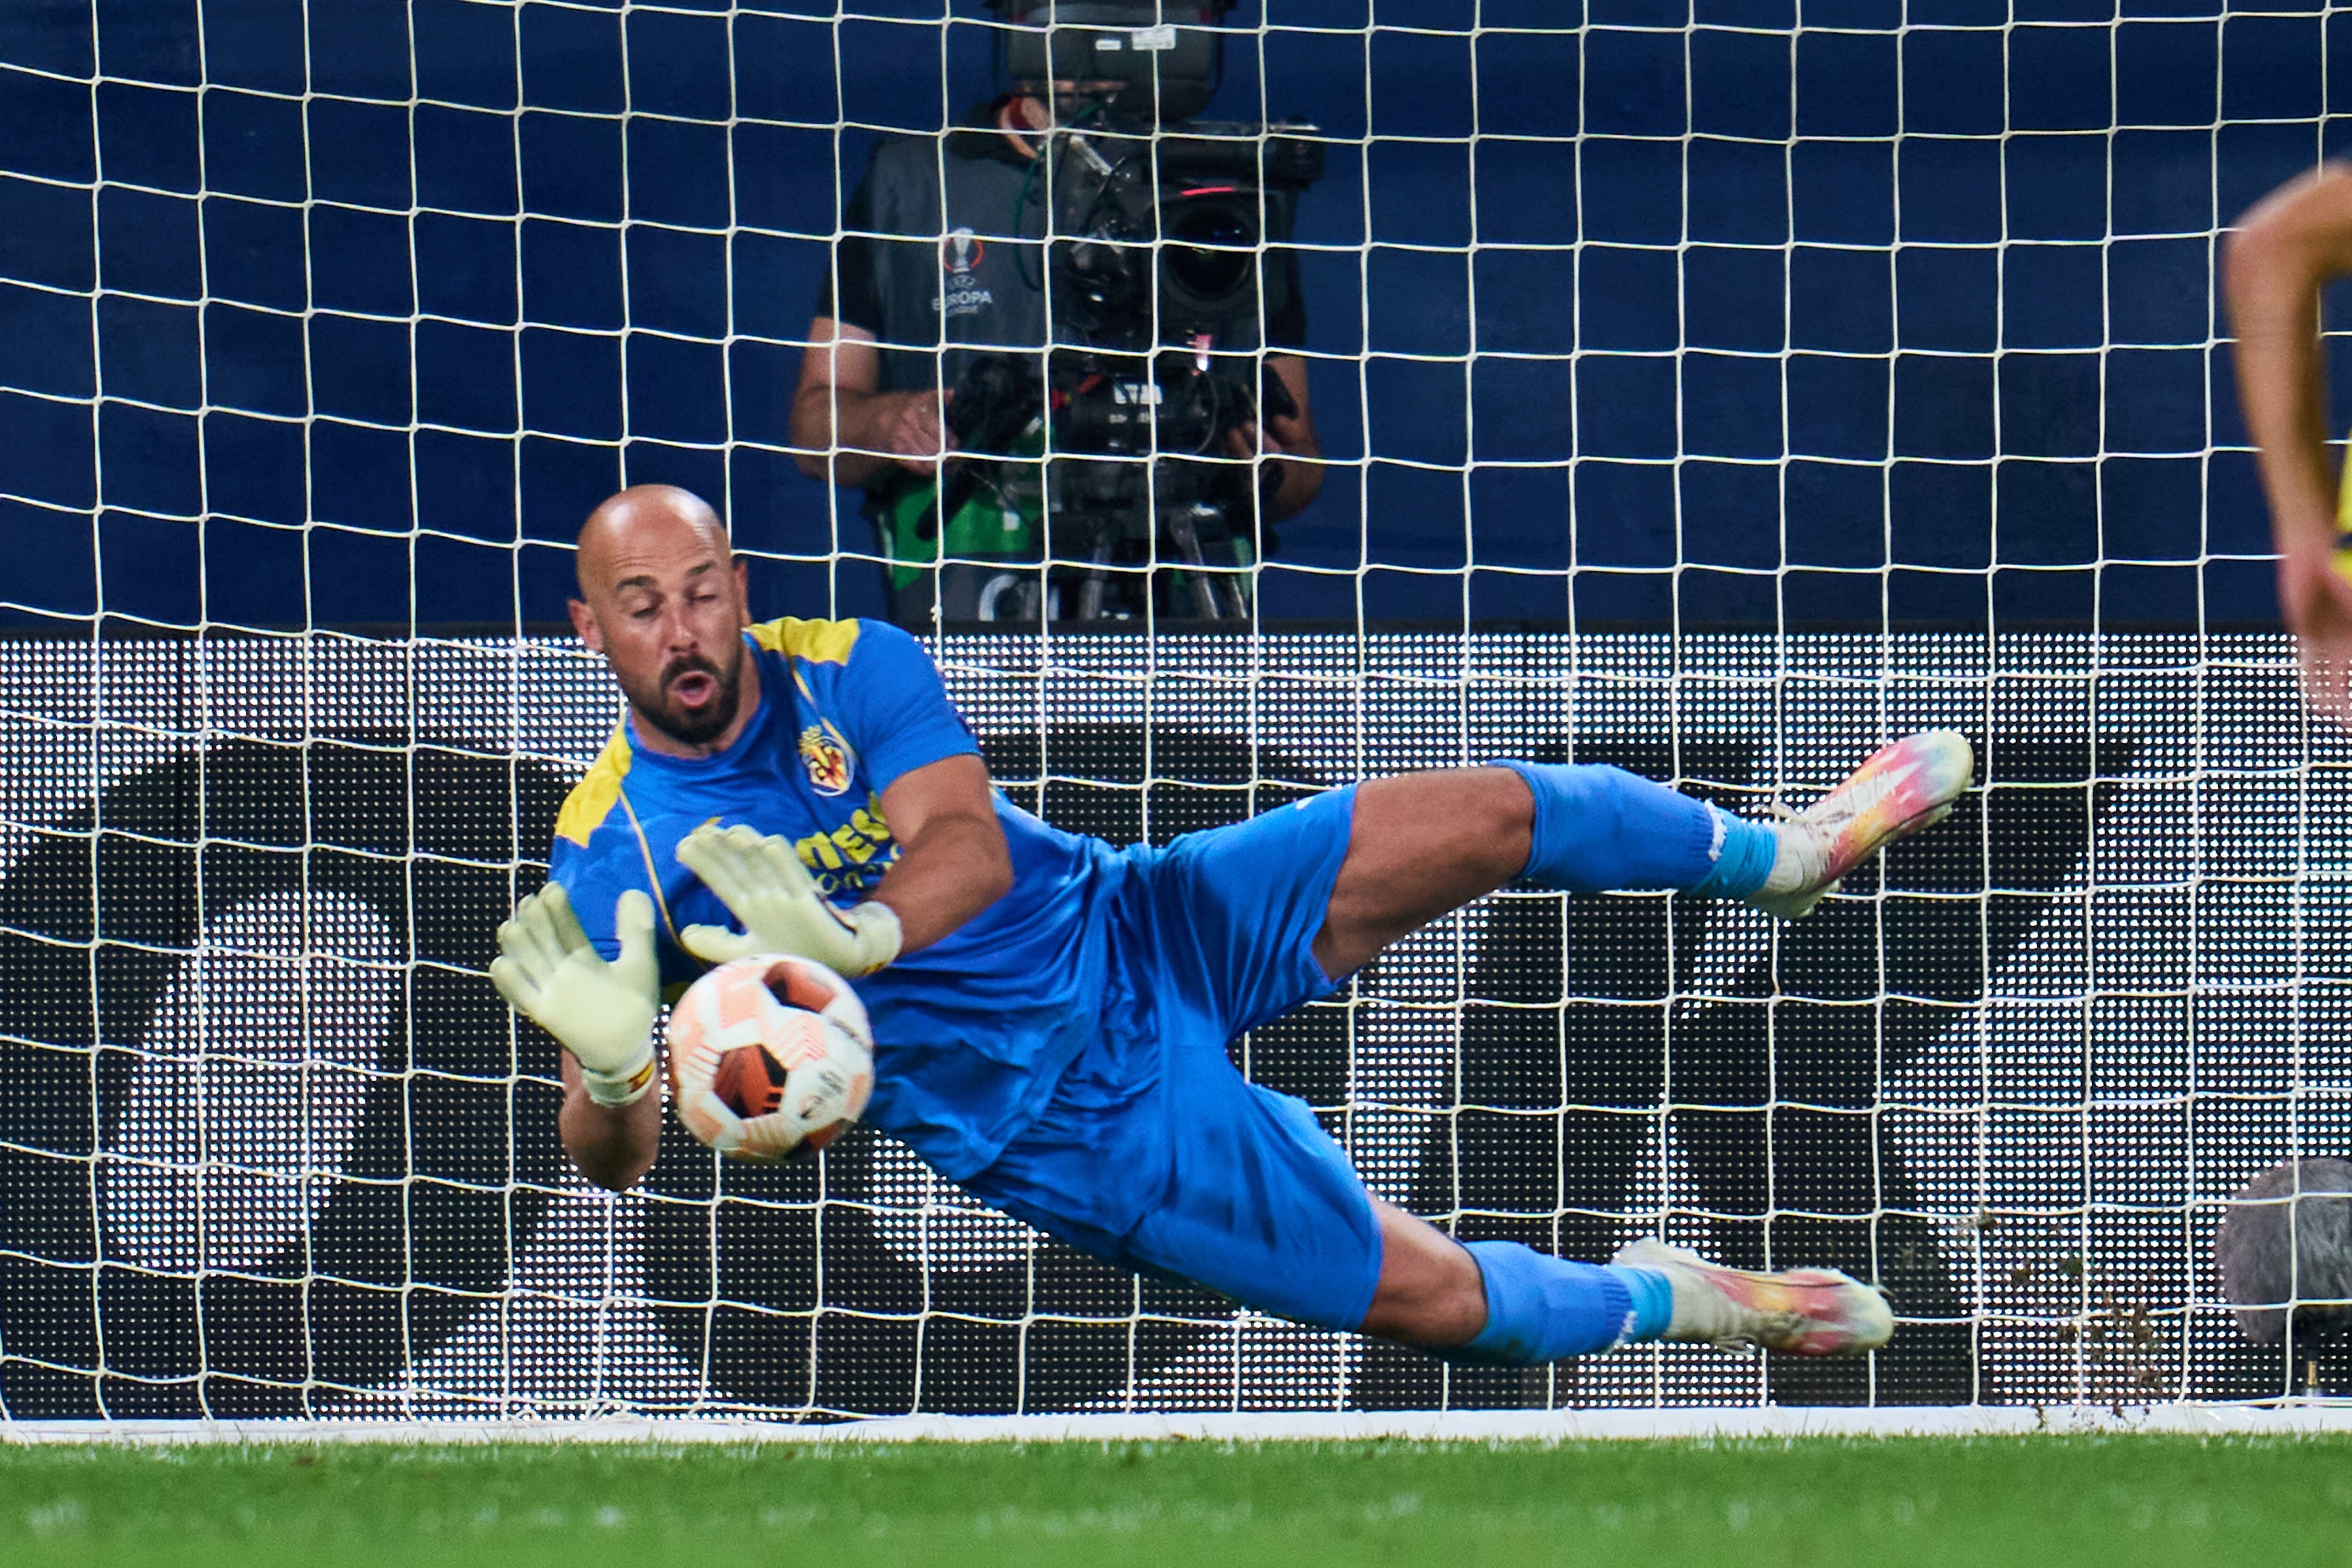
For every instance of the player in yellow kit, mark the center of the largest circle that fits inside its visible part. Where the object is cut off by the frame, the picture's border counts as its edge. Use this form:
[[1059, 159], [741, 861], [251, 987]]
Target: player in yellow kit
[[2288, 248]]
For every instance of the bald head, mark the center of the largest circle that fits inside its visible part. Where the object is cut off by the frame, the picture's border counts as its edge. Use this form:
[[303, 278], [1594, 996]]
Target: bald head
[[662, 598], [644, 519]]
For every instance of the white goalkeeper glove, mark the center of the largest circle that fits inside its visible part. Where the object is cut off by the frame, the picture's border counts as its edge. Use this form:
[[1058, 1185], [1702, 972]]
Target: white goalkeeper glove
[[762, 883], [602, 1013]]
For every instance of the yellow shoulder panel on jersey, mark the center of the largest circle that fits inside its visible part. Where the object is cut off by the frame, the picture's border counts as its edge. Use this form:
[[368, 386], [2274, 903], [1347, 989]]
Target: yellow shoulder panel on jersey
[[819, 642], [591, 800], [2343, 503]]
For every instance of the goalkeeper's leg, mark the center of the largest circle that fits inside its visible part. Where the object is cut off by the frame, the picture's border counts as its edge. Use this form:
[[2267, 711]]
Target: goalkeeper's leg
[[1499, 1303], [1156, 1154], [1425, 844], [1422, 844], [1205, 1177], [1249, 1196]]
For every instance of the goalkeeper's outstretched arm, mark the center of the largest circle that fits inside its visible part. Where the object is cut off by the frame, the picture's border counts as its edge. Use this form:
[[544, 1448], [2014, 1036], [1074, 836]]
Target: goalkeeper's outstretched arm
[[602, 1014], [613, 1145], [952, 864]]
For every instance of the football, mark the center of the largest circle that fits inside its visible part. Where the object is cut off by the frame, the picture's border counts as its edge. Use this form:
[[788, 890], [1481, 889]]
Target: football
[[770, 1056]]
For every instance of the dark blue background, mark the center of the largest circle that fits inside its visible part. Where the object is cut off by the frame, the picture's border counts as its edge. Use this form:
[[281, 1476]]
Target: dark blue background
[[1758, 346]]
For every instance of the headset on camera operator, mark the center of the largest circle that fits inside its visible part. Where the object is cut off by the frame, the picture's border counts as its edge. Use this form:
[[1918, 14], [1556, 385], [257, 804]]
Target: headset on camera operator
[[1082, 271]]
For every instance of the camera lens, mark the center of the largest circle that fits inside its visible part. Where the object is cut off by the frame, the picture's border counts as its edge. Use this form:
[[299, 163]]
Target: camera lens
[[1211, 248]]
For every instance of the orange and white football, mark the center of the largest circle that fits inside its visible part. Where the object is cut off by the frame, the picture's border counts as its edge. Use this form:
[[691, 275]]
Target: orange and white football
[[768, 1055]]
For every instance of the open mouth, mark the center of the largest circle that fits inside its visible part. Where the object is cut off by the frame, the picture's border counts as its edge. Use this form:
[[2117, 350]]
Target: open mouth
[[694, 688]]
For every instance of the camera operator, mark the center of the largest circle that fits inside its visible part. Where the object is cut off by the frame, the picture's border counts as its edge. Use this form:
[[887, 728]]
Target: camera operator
[[963, 299]]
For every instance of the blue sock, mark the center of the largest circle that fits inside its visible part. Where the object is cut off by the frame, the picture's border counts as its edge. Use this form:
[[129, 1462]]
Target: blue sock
[[1542, 1309], [1746, 858], [1653, 1304], [1600, 829]]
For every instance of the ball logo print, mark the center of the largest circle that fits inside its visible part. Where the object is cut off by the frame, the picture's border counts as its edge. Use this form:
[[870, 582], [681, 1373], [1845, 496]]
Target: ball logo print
[[770, 1056]]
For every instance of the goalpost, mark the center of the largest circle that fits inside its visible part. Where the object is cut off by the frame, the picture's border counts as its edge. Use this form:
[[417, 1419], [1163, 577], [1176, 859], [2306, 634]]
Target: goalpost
[[1698, 391]]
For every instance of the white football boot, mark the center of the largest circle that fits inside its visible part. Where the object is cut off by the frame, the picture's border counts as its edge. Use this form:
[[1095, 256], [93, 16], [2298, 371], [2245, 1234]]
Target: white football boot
[[1903, 788], [1804, 1312]]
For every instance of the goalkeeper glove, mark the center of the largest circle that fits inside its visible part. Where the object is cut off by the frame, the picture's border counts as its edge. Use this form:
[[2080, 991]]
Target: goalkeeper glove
[[762, 883], [602, 1013]]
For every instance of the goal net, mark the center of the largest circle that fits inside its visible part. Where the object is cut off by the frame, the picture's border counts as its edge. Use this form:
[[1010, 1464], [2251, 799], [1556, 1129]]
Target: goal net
[[1697, 392]]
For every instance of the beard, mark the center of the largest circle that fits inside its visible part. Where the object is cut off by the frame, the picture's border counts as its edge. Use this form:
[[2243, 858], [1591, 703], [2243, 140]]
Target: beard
[[692, 725]]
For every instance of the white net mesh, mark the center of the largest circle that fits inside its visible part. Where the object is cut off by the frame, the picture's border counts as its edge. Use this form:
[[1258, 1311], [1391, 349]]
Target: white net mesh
[[1696, 391]]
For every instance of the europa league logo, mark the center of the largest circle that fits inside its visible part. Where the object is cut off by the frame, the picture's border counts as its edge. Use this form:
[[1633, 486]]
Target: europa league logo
[[960, 251]]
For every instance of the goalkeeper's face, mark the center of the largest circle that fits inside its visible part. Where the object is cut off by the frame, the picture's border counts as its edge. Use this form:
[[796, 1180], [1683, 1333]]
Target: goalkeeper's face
[[663, 602], [695, 694]]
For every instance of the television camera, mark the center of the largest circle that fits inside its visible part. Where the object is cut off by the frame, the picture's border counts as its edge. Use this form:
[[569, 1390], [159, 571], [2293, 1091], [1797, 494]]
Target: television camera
[[1158, 281]]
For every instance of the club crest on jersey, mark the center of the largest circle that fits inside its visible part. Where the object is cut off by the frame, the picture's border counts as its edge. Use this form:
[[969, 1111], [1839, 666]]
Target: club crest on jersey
[[827, 758]]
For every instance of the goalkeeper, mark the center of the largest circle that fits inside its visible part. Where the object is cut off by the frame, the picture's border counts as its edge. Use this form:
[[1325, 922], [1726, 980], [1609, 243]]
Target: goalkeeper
[[1050, 1012]]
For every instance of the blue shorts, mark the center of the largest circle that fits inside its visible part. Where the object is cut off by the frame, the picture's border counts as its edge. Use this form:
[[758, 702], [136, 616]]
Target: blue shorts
[[1154, 1153]]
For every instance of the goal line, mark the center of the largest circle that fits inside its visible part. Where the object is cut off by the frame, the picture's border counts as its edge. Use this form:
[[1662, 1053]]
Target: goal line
[[2277, 1419]]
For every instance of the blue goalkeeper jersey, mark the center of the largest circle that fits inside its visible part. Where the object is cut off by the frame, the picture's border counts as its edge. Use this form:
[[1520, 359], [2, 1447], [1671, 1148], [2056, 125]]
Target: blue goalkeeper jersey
[[969, 1032]]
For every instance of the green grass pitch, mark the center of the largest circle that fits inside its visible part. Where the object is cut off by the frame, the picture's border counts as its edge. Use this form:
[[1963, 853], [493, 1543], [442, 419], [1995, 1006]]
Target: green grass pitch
[[1903, 1502]]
